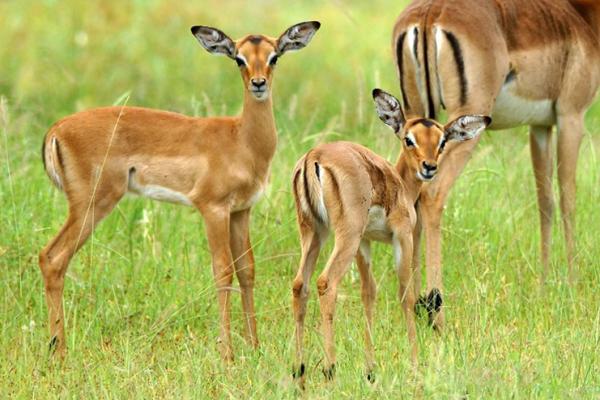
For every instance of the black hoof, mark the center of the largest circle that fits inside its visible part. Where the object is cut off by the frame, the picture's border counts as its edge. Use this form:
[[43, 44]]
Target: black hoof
[[371, 377], [299, 372], [329, 372], [53, 343], [433, 304]]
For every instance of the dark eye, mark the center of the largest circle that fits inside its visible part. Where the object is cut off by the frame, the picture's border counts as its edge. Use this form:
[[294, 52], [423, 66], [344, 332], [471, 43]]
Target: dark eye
[[273, 61], [408, 142], [240, 62]]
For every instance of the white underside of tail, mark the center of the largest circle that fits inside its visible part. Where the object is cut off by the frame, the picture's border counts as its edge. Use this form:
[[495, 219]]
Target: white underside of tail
[[52, 164]]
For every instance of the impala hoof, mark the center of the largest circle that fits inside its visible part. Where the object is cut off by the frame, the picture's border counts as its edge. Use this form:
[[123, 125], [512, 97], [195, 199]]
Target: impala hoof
[[371, 377], [434, 305], [329, 372], [53, 344], [298, 373]]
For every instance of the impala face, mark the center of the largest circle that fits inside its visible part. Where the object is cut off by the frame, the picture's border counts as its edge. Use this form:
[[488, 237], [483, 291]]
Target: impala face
[[256, 55], [424, 139]]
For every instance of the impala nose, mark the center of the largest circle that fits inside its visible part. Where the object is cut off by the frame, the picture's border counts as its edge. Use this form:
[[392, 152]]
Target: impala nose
[[429, 167], [258, 83]]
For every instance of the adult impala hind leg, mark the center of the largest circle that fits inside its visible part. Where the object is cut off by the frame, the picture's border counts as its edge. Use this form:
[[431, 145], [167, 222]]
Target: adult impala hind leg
[[368, 294], [312, 238], [431, 206], [346, 246], [217, 220], [541, 156], [570, 133], [54, 259], [421, 304], [243, 258]]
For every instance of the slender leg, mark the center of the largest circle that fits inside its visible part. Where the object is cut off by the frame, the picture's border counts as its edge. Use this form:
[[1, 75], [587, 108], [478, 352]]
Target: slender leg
[[403, 247], [243, 257], [217, 229], [54, 261], [346, 246], [416, 262], [540, 140], [431, 206], [570, 133], [368, 293], [311, 241]]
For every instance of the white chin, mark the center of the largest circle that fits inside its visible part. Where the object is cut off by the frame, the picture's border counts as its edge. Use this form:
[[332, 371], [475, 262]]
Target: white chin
[[260, 96], [424, 178]]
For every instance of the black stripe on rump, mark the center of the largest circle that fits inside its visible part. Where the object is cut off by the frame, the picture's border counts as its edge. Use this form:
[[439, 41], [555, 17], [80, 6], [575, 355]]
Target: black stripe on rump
[[44, 153], [460, 65], [430, 107], [400, 61]]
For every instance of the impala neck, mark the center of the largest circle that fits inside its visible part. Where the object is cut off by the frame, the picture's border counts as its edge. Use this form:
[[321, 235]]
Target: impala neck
[[258, 128], [409, 177]]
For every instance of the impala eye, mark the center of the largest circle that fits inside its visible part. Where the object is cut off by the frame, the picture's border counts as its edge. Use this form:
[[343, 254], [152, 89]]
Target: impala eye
[[408, 142], [273, 61], [442, 145], [240, 62]]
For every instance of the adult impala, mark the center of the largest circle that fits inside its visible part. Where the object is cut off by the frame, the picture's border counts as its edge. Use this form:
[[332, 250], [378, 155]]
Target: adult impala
[[348, 189], [220, 166], [529, 62]]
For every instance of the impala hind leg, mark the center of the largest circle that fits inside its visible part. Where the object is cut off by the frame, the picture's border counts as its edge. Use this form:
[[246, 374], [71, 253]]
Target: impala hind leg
[[570, 134], [243, 257], [346, 246], [311, 239], [217, 220], [54, 260], [368, 294], [541, 155]]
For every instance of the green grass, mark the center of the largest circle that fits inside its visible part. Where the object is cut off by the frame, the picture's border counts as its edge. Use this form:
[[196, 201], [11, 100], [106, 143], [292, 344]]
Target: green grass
[[140, 306]]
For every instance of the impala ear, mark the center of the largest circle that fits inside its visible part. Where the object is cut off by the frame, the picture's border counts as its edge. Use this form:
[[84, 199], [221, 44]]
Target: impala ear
[[214, 41], [389, 110], [297, 36], [466, 127]]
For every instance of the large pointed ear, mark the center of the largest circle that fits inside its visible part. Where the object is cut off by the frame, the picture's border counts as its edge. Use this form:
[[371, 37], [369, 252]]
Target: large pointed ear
[[389, 110], [297, 36], [214, 41], [466, 127]]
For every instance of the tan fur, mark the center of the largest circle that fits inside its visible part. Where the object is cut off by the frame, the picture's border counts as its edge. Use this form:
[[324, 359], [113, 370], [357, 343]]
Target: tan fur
[[352, 181], [218, 165], [544, 53]]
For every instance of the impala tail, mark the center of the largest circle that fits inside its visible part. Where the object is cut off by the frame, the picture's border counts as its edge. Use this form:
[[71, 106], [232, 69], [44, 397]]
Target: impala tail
[[52, 160], [308, 190]]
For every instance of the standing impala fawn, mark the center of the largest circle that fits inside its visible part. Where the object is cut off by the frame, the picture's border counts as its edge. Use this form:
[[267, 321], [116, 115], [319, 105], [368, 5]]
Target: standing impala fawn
[[346, 188], [533, 62], [219, 165]]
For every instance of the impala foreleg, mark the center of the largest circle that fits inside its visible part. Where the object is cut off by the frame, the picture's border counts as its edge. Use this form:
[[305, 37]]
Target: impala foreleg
[[403, 248], [217, 229], [368, 294], [243, 257], [570, 133], [346, 246], [541, 156]]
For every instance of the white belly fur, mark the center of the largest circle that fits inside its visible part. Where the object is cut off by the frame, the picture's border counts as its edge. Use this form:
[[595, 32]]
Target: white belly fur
[[159, 193], [512, 110], [377, 226]]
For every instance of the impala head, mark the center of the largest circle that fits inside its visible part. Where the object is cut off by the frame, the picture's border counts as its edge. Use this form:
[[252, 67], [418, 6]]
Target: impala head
[[256, 55], [424, 139]]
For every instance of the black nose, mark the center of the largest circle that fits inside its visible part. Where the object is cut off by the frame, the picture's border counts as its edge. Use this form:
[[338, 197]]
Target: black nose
[[258, 83], [429, 167]]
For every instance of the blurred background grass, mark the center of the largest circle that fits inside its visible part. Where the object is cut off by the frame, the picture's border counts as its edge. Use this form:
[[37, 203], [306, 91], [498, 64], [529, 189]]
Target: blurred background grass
[[141, 312]]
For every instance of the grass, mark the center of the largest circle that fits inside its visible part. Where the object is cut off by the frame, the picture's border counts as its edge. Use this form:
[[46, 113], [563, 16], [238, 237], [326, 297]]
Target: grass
[[140, 305]]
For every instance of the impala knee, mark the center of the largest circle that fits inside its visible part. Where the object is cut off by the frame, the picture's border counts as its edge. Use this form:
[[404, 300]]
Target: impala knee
[[298, 289], [322, 285]]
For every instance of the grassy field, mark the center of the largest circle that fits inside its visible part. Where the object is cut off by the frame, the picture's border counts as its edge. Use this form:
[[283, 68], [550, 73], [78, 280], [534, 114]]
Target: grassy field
[[140, 306]]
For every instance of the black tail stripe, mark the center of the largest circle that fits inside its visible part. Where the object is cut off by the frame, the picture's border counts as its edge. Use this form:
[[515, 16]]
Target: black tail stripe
[[400, 60], [430, 107], [307, 195], [460, 64]]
